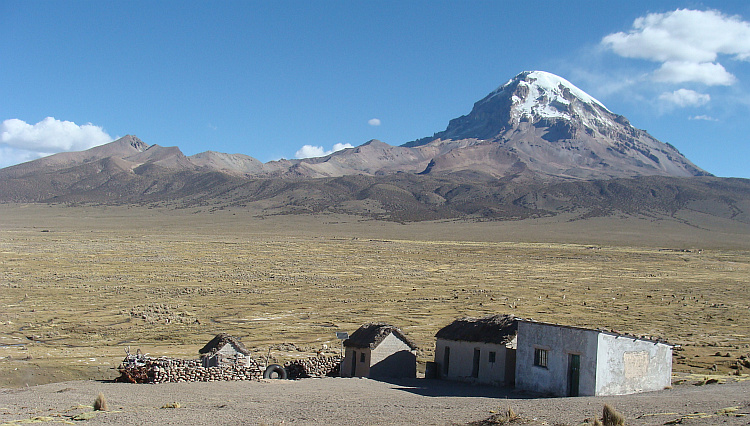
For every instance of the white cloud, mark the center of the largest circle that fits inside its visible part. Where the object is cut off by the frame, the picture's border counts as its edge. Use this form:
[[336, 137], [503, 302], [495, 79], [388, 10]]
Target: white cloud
[[703, 117], [340, 146], [683, 35], [11, 156], [708, 73], [309, 151], [685, 97], [374, 122], [687, 42], [50, 136]]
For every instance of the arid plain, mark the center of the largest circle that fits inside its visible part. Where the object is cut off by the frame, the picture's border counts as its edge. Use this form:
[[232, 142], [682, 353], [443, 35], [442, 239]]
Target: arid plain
[[79, 285]]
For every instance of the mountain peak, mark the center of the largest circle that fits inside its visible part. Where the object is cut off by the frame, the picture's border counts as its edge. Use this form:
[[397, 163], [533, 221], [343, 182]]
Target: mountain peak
[[553, 128], [531, 96], [543, 94], [134, 142]]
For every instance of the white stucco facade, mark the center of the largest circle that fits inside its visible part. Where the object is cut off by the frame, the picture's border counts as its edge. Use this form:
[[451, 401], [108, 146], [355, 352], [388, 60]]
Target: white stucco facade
[[473, 361], [628, 365], [569, 361]]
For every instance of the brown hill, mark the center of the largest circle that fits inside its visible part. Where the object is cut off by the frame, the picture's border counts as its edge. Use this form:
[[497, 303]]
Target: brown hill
[[536, 146]]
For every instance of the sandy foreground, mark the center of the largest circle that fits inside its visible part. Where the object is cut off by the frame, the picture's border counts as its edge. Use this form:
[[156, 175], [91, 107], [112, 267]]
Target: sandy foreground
[[358, 402]]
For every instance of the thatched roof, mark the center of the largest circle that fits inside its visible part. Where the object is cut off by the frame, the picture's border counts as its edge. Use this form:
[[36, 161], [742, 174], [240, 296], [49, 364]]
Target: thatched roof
[[219, 341], [370, 335], [500, 329]]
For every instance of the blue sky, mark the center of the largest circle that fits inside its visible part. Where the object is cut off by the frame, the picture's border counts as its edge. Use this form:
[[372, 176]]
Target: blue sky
[[267, 78]]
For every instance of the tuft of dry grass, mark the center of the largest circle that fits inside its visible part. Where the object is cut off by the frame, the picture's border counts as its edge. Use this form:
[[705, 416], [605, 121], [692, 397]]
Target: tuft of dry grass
[[610, 417], [506, 417], [100, 404]]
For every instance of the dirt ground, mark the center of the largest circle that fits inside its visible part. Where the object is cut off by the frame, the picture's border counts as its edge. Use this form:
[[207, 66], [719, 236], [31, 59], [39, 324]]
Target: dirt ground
[[80, 285], [359, 402]]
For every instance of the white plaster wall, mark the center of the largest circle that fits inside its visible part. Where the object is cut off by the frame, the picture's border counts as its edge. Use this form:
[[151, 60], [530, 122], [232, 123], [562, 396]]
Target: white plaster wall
[[627, 365], [560, 343], [393, 358], [462, 361]]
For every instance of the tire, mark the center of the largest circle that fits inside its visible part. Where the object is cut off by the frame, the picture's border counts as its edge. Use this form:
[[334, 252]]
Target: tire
[[275, 368]]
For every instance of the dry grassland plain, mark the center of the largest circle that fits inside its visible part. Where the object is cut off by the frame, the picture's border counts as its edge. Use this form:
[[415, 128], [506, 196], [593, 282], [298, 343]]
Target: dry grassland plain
[[78, 285]]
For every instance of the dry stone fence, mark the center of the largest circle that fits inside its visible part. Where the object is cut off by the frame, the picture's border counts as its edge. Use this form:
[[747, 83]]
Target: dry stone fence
[[144, 369], [318, 366]]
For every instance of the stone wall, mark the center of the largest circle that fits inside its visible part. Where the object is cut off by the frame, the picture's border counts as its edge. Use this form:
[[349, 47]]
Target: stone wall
[[318, 366], [142, 369]]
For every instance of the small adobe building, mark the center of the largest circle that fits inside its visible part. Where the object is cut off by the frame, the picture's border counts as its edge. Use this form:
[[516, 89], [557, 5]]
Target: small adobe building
[[564, 360], [224, 350], [479, 350], [378, 350]]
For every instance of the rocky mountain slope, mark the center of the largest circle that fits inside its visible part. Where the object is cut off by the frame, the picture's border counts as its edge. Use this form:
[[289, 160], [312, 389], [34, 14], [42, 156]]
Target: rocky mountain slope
[[536, 126], [541, 122], [536, 146]]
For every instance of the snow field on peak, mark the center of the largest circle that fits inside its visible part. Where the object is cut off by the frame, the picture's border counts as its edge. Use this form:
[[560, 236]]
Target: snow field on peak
[[552, 82], [543, 84]]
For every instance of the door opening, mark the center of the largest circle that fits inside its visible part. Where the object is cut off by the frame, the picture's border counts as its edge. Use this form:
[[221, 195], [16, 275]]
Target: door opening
[[475, 366], [574, 374]]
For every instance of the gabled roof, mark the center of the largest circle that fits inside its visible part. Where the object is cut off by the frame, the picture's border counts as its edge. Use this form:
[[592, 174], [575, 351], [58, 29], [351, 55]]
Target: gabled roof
[[370, 335], [219, 341], [500, 329]]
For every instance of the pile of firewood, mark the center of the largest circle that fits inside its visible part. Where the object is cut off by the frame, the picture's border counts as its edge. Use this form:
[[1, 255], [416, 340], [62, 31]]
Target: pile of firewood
[[318, 366]]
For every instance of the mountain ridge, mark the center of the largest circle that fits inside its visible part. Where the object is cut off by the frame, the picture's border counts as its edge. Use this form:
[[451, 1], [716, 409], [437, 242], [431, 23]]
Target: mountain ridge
[[536, 146], [537, 123]]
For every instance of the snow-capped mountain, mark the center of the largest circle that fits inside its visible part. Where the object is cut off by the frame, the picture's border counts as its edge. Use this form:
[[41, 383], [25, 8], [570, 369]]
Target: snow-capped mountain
[[535, 126], [542, 123]]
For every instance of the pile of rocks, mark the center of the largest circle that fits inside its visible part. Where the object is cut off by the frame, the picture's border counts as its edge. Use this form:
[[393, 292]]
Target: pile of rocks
[[143, 369], [317, 366]]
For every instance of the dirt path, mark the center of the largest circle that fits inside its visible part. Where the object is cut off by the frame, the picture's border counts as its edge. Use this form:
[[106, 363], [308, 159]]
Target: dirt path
[[356, 402]]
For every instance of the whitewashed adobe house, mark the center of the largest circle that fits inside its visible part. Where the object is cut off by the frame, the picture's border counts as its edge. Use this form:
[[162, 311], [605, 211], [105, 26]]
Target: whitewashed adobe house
[[480, 350], [379, 350], [224, 350], [571, 361]]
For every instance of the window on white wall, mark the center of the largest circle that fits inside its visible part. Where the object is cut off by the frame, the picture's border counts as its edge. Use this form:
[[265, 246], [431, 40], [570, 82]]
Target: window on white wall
[[492, 356], [540, 357]]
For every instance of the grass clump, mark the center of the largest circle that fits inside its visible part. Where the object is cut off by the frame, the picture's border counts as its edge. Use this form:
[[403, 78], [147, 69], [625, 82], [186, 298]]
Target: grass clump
[[506, 417], [172, 405], [610, 417], [100, 404]]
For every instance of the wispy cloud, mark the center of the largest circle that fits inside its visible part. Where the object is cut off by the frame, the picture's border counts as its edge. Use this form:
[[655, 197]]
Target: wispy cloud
[[688, 43], [684, 98], [20, 141], [703, 117], [374, 122], [309, 151]]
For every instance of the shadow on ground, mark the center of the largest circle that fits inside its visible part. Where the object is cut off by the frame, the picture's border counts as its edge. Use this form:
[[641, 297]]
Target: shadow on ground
[[431, 387]]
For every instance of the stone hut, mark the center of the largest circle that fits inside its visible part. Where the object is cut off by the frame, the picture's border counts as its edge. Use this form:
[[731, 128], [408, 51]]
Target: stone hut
[[479, 350], [379, 350], [564, 360], [224, 350]]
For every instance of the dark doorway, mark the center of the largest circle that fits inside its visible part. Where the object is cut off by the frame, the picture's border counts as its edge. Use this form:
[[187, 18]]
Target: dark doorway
[[574, 374], [510, 367], [475, 366], [446, 360], [354, 363]]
